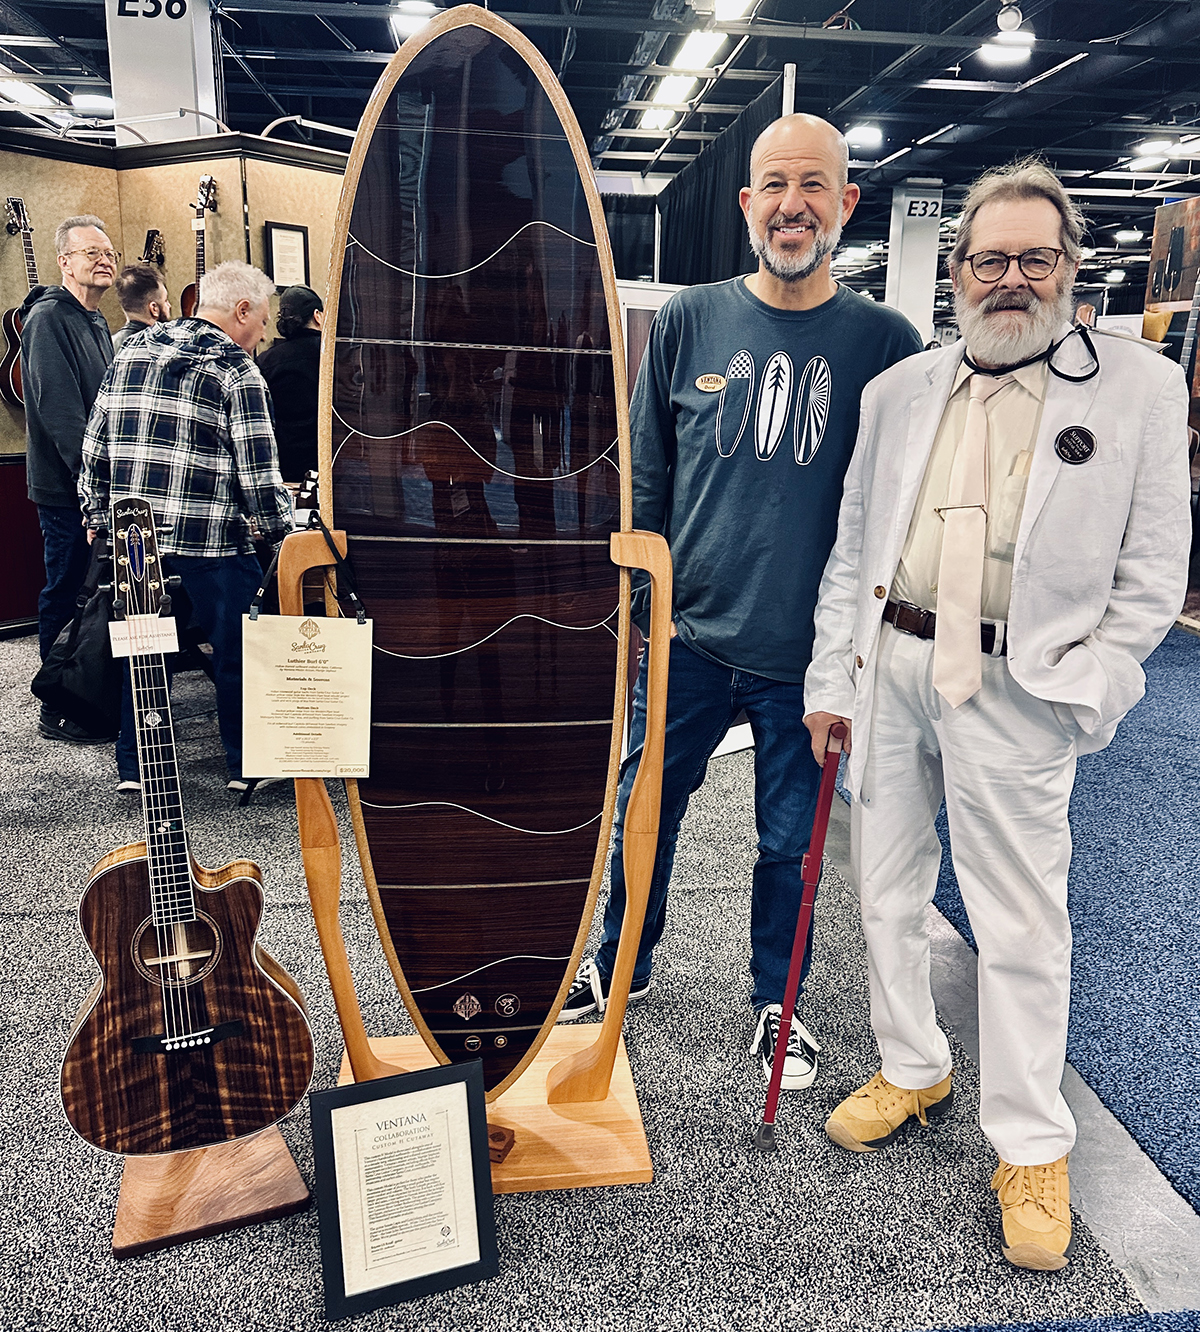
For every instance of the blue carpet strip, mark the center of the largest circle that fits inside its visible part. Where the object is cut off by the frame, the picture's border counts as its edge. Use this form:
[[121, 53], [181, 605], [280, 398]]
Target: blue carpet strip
[[1163, 1322], [1135, 988]]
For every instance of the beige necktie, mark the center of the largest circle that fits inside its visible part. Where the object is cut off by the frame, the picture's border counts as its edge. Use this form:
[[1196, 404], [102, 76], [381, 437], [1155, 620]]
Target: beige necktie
[[957, 655]]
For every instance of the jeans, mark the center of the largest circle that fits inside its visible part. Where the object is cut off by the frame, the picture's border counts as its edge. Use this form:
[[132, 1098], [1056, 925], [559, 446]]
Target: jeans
[[703, 698], [66, 553], [220, 590]]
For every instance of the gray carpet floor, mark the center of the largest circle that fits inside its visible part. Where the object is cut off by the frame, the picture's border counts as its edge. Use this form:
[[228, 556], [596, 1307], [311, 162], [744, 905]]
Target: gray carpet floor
[[814, 1238]]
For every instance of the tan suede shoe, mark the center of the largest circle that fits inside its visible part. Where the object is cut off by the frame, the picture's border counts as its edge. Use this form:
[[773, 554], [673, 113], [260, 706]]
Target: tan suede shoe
[[874, 1115], [1035, 1214]]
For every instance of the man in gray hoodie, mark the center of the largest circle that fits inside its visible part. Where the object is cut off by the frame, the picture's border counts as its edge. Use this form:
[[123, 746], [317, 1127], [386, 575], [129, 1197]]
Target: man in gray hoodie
[[65, 350]]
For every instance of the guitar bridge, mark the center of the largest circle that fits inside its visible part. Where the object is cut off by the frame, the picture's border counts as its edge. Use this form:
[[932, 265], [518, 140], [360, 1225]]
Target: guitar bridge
[[206, 1036]]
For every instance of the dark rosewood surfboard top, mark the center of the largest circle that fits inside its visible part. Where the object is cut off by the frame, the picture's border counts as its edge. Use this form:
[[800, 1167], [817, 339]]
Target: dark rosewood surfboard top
[[475, 470]]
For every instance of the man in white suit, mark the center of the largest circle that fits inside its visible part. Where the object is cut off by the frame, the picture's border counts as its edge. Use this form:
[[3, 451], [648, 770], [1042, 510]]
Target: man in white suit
[[1012, 543]]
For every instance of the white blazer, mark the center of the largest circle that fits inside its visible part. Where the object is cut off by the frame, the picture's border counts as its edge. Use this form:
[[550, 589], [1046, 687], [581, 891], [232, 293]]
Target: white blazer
[[1101, 558]]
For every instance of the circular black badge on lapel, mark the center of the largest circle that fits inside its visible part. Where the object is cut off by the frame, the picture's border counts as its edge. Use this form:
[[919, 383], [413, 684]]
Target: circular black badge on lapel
[[1075, 445]]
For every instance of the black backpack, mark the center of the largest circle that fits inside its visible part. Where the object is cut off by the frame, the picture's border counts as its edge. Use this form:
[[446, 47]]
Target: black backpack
[[80, 679]]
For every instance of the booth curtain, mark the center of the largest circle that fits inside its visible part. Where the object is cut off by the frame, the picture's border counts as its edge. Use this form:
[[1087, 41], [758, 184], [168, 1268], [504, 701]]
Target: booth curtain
[[703, 234], [630, 219]]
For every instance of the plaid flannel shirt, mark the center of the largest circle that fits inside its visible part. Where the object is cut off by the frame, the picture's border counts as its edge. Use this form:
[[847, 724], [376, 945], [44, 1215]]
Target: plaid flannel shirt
[[183, 418]]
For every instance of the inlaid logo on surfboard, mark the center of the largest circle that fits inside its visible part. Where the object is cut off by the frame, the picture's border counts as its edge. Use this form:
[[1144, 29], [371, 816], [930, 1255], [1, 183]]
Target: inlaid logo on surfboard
[[774, 399], [467, 1007]]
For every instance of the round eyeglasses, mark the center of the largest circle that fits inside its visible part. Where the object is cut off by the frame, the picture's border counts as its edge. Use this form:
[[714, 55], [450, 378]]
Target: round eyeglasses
[[991, 265]]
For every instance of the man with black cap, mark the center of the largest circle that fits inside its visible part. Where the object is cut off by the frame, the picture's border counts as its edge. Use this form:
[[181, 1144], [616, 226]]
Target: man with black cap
[[292, 371]]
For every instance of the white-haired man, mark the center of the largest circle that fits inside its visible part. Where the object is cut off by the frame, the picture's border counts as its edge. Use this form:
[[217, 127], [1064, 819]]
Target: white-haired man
[[183, 418], [1012, 544], [65, 350], [743, 421]]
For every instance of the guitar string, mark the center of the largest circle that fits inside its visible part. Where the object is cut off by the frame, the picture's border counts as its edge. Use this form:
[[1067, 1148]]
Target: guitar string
[[176, 997], [148, 670], [515, 476], [437, 277]]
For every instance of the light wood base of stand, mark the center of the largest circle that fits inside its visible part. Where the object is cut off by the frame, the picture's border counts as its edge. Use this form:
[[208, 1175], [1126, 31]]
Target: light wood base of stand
[[168, 1200], [558, 1146]]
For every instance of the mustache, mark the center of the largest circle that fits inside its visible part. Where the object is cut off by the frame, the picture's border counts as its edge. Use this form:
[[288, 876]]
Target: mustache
[[1009, 300], [783, 220]]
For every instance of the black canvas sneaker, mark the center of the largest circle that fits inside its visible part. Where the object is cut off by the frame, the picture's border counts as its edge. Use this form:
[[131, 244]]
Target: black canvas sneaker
[[800, 1061], [589, 993]]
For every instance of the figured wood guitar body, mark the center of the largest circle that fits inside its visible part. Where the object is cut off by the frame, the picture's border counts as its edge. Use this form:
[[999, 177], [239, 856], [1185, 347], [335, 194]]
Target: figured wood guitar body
[[18, 224], [122, 1091]]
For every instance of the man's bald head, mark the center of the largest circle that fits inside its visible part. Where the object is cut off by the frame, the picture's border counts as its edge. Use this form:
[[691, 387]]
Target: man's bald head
[[810, 135]]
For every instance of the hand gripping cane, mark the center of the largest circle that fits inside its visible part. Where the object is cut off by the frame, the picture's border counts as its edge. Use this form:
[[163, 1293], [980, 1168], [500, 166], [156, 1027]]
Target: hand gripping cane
[[764, 1135]]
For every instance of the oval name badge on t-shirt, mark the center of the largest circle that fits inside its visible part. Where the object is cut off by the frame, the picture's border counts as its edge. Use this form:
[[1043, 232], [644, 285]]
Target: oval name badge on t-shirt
[[710, 383]]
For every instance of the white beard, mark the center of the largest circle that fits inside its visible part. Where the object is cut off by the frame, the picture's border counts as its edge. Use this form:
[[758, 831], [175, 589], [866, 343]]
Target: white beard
[[793, 268], [1006, 336]]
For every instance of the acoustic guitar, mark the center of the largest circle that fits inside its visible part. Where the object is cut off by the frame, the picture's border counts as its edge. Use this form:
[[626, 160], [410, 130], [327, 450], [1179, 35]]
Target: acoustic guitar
[[193, 1035], [10, 322], [153, 251], [206, 202]]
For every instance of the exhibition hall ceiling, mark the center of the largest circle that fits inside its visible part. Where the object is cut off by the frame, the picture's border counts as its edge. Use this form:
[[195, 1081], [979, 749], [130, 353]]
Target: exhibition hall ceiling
[[1108, 92]]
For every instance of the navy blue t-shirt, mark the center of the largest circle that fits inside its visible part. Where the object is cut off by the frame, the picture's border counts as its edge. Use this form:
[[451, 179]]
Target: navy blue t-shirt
[[743, 421]]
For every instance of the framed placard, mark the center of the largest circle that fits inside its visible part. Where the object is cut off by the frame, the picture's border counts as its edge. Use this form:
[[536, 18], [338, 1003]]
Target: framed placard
[[285, 251], [404, 1187]]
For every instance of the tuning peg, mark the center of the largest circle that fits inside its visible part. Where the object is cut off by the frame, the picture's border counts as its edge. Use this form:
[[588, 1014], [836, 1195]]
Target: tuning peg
[[174, 581]]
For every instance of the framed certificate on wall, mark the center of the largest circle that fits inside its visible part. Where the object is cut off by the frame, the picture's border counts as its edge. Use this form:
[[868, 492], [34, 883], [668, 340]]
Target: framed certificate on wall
[[285, 251], [404, 1187]]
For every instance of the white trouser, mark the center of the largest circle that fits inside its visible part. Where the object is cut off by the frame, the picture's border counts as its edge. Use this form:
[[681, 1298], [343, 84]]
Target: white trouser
[[1006, 764]]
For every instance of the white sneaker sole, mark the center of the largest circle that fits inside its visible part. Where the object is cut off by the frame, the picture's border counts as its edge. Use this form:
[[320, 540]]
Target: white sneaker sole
[[574, 1014], [794, 1082]]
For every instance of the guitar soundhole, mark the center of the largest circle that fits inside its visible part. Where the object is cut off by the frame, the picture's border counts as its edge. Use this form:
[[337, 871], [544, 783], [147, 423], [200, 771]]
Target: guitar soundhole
[[177, 955]]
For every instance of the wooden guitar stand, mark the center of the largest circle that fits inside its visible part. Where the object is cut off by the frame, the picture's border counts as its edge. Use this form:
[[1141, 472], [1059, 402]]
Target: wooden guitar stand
[[574, 1110], [167, 1200]]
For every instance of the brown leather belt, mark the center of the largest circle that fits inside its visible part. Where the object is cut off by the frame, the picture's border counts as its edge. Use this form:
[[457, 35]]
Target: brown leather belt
[[913, 620]]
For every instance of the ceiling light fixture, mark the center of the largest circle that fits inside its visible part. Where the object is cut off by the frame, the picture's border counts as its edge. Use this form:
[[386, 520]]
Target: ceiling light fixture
[[698, 50], [411, 16], [1010, 18], [1154, 148], [729, 11], [1128, 236], [1115, 276], [1144, 163], [92, 102], [864, 136]]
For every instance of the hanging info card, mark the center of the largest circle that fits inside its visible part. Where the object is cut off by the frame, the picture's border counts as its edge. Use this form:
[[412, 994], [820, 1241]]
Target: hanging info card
[[306, 696]]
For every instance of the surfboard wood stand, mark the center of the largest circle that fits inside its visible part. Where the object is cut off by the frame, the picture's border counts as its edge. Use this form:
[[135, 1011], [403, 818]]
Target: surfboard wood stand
[[473, 437], [182, 1196], [564, 1146]]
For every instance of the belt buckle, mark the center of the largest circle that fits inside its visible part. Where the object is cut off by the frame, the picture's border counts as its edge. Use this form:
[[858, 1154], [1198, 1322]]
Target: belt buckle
[[910, 611]]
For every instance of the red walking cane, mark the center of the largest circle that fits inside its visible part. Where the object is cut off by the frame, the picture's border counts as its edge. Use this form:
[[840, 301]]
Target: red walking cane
[[764, 1135]]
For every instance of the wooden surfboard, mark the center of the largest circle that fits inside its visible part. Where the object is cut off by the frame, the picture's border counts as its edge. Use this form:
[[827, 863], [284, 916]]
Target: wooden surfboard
[[474, 449]]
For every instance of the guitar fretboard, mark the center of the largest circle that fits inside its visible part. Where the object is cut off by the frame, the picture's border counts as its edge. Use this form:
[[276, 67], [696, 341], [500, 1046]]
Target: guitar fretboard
[[172, 895], [30, 262], [199, 247]]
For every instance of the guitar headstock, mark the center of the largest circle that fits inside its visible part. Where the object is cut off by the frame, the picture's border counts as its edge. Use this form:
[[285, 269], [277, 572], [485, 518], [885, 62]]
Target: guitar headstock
[[18, 218], [206, 196], [153, 251], [137, 572]]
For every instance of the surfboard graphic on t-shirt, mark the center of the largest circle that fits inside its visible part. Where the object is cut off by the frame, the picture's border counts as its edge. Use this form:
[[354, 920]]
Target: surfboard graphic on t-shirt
[[733, 406], [812, 409], [774, 399]]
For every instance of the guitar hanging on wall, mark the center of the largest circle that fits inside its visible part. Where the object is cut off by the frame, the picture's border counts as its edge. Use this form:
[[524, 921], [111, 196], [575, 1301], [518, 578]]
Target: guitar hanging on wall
[[153, 251], [10, 364], [193, 1035], [206, 202]]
